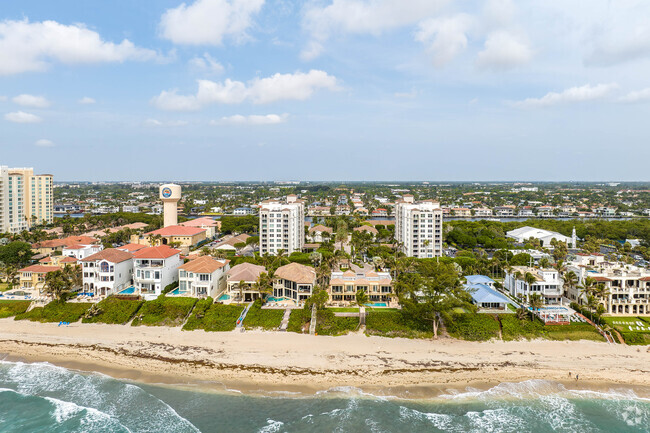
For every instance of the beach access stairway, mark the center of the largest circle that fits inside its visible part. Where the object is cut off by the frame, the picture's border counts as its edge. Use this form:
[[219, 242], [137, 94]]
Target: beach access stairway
[[240, 321], [285, 320], [312, 323], [602, 332]]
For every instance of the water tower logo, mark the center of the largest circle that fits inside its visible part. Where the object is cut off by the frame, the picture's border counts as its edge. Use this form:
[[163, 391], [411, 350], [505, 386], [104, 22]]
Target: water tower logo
[[166, 192]]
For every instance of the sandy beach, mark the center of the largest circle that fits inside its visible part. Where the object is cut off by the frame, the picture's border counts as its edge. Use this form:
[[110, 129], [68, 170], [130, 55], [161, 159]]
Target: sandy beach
[[256, 360]]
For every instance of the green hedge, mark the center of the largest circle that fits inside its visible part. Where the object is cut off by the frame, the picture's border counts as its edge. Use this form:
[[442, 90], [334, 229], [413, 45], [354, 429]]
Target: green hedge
[[164, 312], [329, 324], [112, 310], [515, 329], [266, 319], [11, 308], [397, 324], [56, 311], [217, 318], [573, 332], [298, 319], [201, 307], [471, 326]]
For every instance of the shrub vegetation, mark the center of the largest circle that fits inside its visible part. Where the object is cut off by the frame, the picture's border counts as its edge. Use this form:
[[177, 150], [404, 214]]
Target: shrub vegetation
[[471, 326], [265, 319], [396, 324], [112, 310], [56, 311], [329, 324], [11, 308], [164, 311], [216, 318]]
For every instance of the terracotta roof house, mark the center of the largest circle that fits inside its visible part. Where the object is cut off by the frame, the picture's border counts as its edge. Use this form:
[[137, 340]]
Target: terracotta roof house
[[202, 277], [107, 272], [294, 281], [247, 273]]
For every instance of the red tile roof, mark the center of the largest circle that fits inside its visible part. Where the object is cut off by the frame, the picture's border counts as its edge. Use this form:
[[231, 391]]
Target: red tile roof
[[40, 269], [131, 247], [177, 231], [111, 255], [160, 252], [204, 265], [66, 242]]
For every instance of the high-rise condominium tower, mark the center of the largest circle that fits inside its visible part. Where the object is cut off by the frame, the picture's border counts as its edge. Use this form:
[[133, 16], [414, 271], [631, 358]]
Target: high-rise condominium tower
[[418, 227], [282, 225]]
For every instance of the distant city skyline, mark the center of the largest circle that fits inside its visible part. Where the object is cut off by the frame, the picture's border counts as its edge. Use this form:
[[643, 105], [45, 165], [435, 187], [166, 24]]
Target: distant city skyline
[[356, 90]]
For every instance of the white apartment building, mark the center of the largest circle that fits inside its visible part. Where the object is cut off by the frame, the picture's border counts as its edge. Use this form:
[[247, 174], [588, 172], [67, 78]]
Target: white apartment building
[[202, 277], [154, 269], [483, 212], [107, 272], [282, 225], [418, 227], [547, 284], [25, 199]]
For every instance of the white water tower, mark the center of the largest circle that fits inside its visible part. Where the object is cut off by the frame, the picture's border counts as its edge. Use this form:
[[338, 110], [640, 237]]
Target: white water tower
[[170, 194]]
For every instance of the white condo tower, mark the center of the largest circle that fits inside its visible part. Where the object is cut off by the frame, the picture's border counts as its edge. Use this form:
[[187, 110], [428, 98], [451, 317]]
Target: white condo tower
[[170, 194]]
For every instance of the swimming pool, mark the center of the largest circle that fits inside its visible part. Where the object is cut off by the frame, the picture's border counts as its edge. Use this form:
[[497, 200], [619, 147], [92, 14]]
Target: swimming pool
[[376, 304], [127, 291], [177, 291], [274, 299], [224, 298]]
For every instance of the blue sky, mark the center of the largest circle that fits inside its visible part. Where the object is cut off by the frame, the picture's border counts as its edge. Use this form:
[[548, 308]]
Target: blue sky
[[326, 89]]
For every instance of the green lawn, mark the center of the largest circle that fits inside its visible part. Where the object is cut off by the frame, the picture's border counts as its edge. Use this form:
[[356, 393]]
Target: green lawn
[[217, 317], [328, 324], [396, 324], [11, 308], [266, 319], [164, 311], [632, 332], [573, 332], [344, 309], [4, 287], [112, 310], [56, 311]]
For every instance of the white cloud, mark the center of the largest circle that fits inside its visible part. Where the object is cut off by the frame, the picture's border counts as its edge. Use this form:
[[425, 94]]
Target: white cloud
[[571, 95], [206, 64], [165, 123], [637, 96], [22, 117], [362, 17], [43, 142], [298, 86], [86, 100], [25, 100], [444, 37], [207, 22], [504, 50], [238, 119], [26, 46]]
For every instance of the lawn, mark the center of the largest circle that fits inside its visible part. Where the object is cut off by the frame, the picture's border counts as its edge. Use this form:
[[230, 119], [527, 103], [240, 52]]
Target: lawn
[[164, 311], [217, 317], [396, 324], [573, 332], [266, 319], [11, 308], [471, 326], [329, 324], [344, 309], [112, 310], [56, 311], [635, 330]]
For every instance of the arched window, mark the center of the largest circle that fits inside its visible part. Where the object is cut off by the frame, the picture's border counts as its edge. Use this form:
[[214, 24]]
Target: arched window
[[104, 267]]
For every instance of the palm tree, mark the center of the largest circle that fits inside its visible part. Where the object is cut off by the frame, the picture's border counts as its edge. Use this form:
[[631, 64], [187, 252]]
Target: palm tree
[[587, 288], [361, 298], [570, 279], [530, 279], [601, 292], [560, 267], [536, 301]]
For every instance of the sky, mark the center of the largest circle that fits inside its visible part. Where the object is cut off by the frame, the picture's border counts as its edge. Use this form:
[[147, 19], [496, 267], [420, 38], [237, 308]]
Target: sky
[[223, 90]]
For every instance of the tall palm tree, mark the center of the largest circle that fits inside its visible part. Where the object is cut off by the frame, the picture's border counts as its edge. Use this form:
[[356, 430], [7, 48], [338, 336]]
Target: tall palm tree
[[570, 279], [536, 301], [530, 279]]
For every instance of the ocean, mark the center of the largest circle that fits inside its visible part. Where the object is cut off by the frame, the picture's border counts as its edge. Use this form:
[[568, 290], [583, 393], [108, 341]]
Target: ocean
[[44, 398]]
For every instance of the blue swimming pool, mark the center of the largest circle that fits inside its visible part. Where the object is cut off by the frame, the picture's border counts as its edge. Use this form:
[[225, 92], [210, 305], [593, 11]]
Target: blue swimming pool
[[224, 298], [274, 299], [127, 291], [376, 304]]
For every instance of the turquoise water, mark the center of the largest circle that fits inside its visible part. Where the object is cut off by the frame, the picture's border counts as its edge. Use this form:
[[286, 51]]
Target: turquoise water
[[127, 291], [274, 299], [43, 398], [224, 298], [376, 304]]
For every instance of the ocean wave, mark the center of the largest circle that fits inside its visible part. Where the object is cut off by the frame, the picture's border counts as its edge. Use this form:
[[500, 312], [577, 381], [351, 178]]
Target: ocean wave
[[136, 409], [271, 426]]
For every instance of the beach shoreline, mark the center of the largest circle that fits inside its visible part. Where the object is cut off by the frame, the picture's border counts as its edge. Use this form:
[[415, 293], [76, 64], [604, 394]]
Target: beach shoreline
[[274, 363]]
